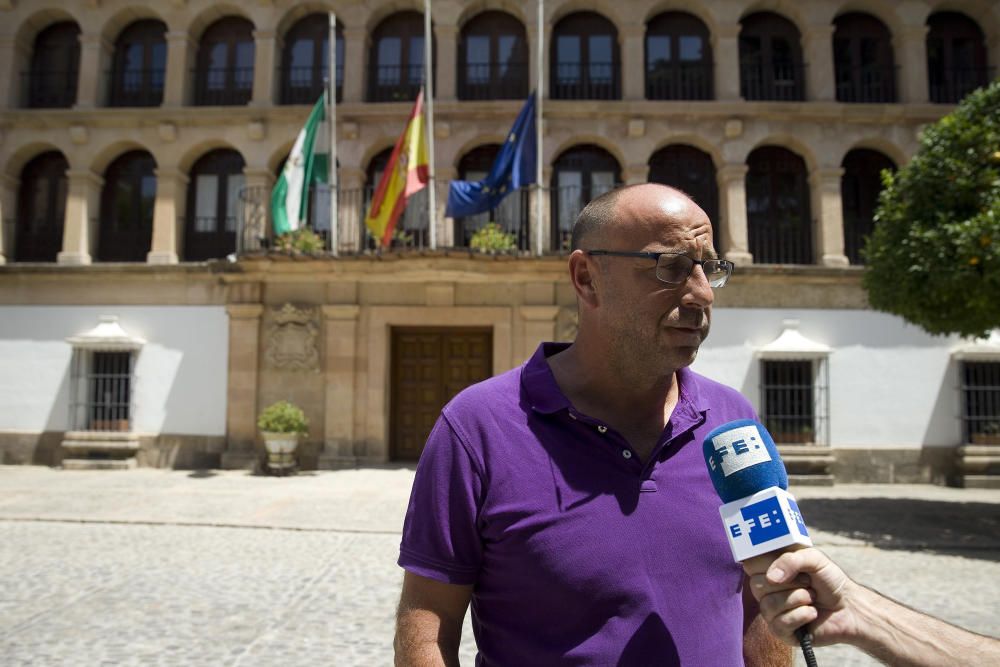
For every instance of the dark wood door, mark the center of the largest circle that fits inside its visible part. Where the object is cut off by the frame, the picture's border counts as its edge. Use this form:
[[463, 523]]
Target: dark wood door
[[429, 367]]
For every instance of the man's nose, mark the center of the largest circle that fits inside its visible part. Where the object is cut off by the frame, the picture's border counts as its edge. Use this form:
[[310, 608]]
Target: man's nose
[[697, 291]]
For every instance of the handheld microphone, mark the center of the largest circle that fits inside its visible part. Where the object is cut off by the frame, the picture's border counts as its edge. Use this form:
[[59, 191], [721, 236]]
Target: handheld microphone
[[758, 513]]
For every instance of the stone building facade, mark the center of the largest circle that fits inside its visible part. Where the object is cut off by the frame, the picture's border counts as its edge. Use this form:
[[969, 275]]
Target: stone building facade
[[139, 140]]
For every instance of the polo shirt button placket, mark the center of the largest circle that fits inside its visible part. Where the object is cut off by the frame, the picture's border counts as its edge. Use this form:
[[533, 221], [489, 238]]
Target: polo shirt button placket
[[602, 429], [626, 454]]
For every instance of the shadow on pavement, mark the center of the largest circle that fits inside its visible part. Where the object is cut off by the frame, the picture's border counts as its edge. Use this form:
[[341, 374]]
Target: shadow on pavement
[[972, 529]]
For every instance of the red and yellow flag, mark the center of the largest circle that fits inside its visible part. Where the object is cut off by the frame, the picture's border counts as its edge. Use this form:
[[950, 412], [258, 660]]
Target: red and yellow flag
[[406, 172]]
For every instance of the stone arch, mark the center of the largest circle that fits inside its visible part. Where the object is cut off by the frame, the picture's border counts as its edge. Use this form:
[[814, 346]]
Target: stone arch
[[473, 143], [126, 17], [608, 10], [473, 9], [21, 156], [694, 140], [580, 139], [788, 142], [880, 144], [103, 157], [787, 9], [199, 150], [696, 8], [27, 31], [215, 12]]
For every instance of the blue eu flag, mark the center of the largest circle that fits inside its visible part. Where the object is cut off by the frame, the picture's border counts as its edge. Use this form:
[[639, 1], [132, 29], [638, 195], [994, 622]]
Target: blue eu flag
[[514, 166]]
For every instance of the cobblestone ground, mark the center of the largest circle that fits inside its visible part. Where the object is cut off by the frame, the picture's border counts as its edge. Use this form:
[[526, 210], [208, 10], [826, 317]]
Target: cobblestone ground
[[122, 590]]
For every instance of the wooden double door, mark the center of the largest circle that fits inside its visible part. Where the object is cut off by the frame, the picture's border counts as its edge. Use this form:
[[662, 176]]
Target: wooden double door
[[429, 367]]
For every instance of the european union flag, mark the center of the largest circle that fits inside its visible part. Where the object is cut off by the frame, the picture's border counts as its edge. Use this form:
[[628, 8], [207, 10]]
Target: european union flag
[[514, 166]]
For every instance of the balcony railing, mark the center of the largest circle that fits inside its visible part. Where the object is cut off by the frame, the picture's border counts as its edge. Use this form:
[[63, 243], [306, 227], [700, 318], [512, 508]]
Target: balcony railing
[[395, 83], [774, 241], [680, 81], [781, 82], [514, 215], [49, 89], [493, 81], [949, 86], [300, 85], [866, 84], [586, 81], [137, 88], [223, 86]]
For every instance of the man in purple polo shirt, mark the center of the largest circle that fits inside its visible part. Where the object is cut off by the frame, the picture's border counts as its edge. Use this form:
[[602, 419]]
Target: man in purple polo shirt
[[568, 499]]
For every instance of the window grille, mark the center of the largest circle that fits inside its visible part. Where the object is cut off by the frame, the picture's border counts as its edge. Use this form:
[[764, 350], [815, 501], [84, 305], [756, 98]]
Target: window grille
[[101, 391], [794, 397], [981, 399]]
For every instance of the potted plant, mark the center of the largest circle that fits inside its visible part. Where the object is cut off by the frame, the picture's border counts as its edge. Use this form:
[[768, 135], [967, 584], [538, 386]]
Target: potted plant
[[281, 424], [492, 238]]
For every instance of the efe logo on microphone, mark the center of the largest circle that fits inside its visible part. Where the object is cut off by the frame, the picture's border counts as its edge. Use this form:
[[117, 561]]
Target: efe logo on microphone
[[737, 449]]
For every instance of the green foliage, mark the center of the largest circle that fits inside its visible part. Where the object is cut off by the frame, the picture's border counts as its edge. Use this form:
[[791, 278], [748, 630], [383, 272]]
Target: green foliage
[[303, 240], [283, 417], [492, 238], [933, 256]]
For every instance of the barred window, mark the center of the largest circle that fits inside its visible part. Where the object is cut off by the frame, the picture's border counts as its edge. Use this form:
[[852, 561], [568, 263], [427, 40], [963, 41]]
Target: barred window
[[678, 58], [584, 59], [794, 405], [771, 66], [102, 390], [493, 58], [981, 394]]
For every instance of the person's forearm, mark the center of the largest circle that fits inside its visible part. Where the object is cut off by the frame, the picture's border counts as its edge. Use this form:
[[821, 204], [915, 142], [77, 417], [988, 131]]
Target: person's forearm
[[413, 652], [900, 636]]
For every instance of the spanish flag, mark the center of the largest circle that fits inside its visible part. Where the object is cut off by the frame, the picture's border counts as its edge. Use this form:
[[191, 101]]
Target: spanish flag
[[406, 172]]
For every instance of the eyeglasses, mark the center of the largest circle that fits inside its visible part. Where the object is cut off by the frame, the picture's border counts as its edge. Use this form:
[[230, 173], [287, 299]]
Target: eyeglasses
[[675, 268]]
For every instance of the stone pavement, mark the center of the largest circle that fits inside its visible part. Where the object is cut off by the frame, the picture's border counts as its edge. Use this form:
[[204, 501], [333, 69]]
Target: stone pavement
[[155, 567]]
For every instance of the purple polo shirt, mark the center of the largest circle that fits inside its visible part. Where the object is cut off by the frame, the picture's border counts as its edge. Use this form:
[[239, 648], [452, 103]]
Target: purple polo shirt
[[579, 554]]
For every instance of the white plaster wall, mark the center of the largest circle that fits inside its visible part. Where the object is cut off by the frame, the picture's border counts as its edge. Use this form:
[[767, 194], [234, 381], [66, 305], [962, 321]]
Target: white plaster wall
[[180, 385], [890, 384]]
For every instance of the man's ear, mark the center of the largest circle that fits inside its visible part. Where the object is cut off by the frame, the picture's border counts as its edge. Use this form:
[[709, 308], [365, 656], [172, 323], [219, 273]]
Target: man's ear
[[583, 275]]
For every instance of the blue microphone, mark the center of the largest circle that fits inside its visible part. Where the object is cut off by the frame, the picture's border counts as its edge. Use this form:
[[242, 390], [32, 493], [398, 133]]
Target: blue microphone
[[758, 513]]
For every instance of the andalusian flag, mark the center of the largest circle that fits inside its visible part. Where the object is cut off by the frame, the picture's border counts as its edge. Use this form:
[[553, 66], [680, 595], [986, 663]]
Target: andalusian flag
[[406, 172], [290, 196]]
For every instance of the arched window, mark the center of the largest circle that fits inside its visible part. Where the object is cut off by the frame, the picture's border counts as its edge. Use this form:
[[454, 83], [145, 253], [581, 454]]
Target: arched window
[[778, 217], [493, 58], [397, 58], [862, 59], [678, 58], [306, 60], [859, 189], [41, 208], [511, 214], [691, 170], [140, 64], [579, 175], [770, 59], [213, 204], [126, 228], [224, 73], [55, 64], [585, 59], [411, 228], [956, 57]]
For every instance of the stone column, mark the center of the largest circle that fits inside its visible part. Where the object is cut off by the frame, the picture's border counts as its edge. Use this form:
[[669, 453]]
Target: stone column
[[8, 213], [632, 69], [93, 81], [341, 333], [256, 212], [265, 67], [636, 173], [539, 325], [826, 201], [355, 41], [180, 55], [242, 379], [817, 53], [168, 216], [446, 36], [910, 47], [15, 58], [82, 211], [733, 206], [726, 54], [350, 204]]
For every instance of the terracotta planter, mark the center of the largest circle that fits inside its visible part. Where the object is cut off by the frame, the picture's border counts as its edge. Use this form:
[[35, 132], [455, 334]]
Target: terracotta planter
[[280, 450]]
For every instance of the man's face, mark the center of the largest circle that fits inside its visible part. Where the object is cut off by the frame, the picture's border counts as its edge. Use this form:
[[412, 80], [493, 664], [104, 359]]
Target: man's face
[[649, 324]]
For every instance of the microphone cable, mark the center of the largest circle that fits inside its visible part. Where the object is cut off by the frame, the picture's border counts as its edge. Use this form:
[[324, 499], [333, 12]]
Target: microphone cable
[[806, 642]]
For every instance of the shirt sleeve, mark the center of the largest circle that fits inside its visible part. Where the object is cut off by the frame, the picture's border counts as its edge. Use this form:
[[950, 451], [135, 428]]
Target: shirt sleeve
[[441, 539]]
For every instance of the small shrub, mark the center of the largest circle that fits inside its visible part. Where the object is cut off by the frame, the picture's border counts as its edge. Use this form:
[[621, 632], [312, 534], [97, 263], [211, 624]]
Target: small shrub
[[283, 417], [492, 238], [303, 240]]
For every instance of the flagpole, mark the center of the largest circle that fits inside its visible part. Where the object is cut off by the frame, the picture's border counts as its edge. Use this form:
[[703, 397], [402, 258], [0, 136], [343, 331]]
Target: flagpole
[[429, 116], [331, 119], [539, 95]]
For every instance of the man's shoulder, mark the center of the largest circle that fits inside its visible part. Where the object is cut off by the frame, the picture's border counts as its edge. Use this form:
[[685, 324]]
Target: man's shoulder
[[716, 394], [498, 393]]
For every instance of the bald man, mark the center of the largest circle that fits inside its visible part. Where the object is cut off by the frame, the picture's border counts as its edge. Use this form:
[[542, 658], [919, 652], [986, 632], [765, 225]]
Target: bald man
[[568, 499]]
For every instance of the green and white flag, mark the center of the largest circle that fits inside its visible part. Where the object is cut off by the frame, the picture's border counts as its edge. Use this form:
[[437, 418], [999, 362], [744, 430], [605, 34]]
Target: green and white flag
[[290, 196]]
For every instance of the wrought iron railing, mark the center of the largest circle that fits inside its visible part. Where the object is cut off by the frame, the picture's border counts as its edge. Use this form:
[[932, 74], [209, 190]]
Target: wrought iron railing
[[866, 84], [395, 83], [49, 89], [223, 86], [586, 81], [949, 86], [304, 85], [137, 87], [679, 81], [493, 81], [769, 80]]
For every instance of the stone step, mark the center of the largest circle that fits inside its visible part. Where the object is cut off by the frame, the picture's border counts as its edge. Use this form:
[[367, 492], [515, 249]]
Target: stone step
[[810, 480], [99, 464]]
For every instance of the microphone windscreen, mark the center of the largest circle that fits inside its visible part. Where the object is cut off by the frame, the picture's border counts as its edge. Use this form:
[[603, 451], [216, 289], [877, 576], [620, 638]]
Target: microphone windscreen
[[742, 459]]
